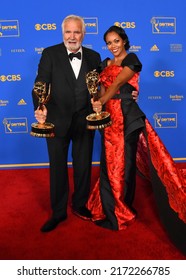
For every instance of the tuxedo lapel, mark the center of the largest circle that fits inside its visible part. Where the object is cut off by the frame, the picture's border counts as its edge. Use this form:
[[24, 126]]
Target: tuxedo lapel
[[66, 66], [88, 58]]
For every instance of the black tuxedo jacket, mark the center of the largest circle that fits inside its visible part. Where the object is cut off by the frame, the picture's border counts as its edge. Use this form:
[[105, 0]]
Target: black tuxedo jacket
[[55, 68]]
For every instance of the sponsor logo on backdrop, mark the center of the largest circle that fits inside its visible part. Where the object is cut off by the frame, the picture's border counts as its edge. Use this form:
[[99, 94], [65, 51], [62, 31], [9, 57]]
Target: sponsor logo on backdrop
[[3, 102], [45, 26], [10, 78], [9, 28], [22, 102], [105, 48], [125, 24], [39, 50], [164, 74], [17, 51], [176, 97], [88, 46], [91, 24], [154, 97], [165, 120], [154, 48], [15, 125], [134, 48], [176, 47], [163, 25]]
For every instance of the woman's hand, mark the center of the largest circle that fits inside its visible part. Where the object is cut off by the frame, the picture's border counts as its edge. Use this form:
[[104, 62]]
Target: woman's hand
[[96, 105], [41, 115], [135, 95]]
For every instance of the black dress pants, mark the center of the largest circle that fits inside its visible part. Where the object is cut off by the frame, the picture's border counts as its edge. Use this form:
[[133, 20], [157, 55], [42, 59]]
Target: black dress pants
[[80, 140]]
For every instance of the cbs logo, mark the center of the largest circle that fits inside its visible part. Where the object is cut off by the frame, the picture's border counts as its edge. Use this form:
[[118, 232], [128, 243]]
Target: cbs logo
[[125, 24], [45, 26], [164, 74], [10, 78]]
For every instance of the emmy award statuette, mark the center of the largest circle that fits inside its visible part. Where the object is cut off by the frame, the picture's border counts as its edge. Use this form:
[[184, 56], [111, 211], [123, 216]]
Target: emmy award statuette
[[42, 91], [96, 120]]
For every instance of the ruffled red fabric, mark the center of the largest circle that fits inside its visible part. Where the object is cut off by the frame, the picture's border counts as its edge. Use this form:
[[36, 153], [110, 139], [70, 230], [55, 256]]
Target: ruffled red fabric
[[109, 74], [114, 151]]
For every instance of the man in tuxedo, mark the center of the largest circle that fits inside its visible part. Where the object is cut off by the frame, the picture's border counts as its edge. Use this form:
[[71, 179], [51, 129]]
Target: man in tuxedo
[[67, 110]]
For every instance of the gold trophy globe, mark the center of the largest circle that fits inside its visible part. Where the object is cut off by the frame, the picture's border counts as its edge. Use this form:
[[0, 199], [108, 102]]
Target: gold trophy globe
[[96, 120], [42, 91]]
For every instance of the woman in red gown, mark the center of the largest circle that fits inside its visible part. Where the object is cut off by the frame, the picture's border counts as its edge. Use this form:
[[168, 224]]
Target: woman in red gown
[[131, 143]]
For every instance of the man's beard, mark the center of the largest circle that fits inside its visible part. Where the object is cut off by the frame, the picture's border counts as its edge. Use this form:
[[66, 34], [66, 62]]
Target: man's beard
[[72, 48]]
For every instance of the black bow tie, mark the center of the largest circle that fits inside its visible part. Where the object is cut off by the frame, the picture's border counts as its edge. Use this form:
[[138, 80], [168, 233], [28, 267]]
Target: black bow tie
[[78, 55]]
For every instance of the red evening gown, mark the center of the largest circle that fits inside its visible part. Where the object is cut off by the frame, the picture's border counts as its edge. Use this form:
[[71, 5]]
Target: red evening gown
[[106, 201]]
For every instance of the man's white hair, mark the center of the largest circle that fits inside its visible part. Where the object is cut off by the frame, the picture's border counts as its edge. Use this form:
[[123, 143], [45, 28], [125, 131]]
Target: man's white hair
[[74, 17]]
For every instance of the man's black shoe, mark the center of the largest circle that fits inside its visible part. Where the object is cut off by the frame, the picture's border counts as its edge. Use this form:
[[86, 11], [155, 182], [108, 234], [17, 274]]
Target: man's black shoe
[[83, 213], [52, 224]]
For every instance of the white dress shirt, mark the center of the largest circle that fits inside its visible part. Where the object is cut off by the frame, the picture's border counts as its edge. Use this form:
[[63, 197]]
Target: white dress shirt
[[76, 63]]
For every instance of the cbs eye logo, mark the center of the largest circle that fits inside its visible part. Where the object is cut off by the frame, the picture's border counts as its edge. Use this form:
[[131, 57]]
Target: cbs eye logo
[[10, 78], [164, 74], [45, 26]]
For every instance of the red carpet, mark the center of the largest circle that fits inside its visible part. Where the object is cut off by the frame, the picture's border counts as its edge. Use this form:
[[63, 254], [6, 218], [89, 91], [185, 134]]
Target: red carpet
[[24, 207]]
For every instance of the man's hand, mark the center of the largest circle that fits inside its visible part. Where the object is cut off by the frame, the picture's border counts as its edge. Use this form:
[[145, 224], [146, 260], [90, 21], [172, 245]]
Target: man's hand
[[135, 95], [41, 115]]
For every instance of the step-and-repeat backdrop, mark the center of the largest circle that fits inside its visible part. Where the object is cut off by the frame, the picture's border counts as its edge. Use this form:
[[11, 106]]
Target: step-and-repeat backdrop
[[156, 30]]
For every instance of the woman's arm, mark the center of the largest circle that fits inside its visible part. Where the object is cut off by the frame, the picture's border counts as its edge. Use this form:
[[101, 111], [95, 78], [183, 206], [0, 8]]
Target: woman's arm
[[124, 76], [102, 90]]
